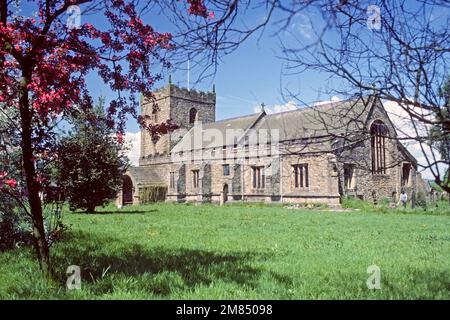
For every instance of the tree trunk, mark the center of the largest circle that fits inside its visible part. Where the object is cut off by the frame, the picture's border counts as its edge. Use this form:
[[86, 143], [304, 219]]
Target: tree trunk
[[40, 240], [90, 209], [3, 17], [3, 11]]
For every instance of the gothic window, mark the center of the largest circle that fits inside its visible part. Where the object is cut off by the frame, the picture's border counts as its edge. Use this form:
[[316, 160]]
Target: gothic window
[[192, 115], [349, 179], [301, 175], [258, 177], [406, 171], [378, 134], [195, 178]]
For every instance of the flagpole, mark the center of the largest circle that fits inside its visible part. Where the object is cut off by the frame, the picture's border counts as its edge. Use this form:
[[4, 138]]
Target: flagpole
[[188, 71]]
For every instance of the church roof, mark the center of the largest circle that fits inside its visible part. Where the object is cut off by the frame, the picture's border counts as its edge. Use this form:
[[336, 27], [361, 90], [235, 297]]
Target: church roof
[[145, 176], [331, 119], [231, 129]]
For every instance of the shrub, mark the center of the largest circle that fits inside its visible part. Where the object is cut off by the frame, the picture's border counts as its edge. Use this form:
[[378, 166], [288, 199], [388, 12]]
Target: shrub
[[90, 162], [152, 194], [421, 200], [8, 232], [13, 230]]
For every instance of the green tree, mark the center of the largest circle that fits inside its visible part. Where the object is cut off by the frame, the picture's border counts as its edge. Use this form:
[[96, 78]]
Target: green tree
[[91, 161]]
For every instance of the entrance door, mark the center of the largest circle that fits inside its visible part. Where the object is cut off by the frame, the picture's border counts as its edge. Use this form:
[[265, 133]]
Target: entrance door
[[225, 193], [127, 191]]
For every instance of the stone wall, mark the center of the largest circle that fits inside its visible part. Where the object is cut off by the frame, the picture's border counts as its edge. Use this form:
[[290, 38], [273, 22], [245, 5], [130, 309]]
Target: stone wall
[[323, 179], [206, 182], [369, 186], [175, 103], [181, 182], [163, 114], [183, 100], [236, 181]]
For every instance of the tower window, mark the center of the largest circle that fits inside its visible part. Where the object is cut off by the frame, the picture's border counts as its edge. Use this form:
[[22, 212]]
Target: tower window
[[226, 169], [192, 115], [378, 134]]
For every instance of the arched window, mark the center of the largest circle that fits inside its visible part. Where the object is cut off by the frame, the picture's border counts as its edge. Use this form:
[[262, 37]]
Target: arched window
[[378, 134], [192, 115]]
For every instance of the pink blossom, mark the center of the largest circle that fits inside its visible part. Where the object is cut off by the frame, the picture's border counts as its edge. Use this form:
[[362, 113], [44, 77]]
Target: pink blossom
[[120, 138], [12, 183]]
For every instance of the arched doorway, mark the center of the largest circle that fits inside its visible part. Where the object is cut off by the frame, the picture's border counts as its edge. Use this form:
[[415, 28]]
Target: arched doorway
[[192, 115], [225, 193], [127, 191]]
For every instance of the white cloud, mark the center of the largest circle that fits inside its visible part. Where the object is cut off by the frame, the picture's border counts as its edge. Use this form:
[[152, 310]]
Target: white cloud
[[332, 99], [256, 109], [405, 129], [290, 105], [133, 144], [304, 26]]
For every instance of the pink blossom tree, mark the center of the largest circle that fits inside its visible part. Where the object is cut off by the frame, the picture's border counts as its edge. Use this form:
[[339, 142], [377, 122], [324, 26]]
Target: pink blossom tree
[[43, 68]]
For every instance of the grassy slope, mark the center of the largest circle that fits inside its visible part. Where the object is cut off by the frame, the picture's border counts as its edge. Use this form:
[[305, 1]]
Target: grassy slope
[[240, 252]]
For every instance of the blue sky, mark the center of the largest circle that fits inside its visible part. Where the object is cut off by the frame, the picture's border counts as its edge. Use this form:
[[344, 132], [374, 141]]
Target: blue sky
[[249, 76], [246, 78]]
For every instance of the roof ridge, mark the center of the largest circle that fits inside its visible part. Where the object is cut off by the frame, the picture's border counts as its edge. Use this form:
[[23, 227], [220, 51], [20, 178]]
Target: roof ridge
[[287, 111], [312, 107], [237, 117]]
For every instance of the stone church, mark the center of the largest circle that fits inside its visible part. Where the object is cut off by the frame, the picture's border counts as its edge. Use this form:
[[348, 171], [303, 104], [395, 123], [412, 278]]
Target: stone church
[[314, 154]]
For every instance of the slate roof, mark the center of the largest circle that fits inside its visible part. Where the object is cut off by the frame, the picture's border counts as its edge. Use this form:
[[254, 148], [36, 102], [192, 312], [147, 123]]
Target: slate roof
[[336, 118], [231, 129], [145, 176]]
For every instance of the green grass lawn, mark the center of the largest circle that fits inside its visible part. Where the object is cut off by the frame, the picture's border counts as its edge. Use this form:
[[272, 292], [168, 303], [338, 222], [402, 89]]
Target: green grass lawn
[[168, 251]]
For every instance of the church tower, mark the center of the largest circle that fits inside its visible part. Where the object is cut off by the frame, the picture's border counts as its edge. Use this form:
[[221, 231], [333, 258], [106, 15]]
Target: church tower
[[184, 107]]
